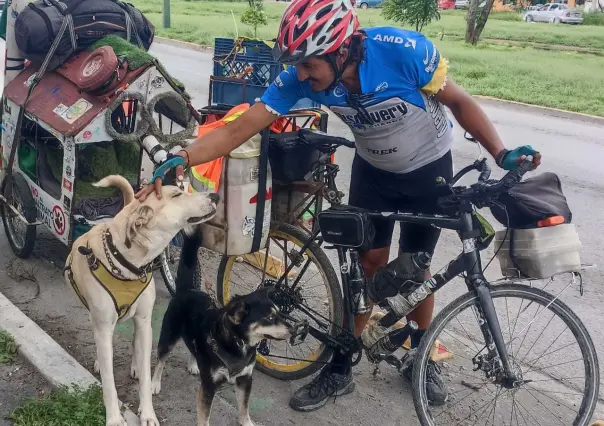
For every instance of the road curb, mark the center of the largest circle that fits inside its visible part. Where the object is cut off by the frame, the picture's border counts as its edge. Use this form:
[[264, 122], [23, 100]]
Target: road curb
[[183, 44], [45, 354], [549, 110]]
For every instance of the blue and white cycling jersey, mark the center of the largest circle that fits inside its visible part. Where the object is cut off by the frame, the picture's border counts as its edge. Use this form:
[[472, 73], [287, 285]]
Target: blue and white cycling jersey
[[397, 124]]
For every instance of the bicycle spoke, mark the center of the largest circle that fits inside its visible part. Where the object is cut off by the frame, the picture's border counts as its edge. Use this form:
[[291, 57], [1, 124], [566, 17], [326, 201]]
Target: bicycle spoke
[[543, 405]]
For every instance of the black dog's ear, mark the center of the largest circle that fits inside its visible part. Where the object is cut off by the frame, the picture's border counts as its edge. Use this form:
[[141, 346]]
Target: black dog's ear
[[237, 311]]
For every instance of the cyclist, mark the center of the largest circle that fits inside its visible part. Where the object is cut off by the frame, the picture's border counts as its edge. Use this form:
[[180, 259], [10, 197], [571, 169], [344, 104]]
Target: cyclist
[[389, 86]]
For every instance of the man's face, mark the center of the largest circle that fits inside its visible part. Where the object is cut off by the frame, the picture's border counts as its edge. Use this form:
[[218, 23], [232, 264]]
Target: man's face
[[317, 71]]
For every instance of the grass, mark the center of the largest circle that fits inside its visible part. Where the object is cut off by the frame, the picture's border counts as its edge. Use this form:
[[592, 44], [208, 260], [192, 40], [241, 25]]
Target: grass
[[560, 79], [63, 407], [8, 348]]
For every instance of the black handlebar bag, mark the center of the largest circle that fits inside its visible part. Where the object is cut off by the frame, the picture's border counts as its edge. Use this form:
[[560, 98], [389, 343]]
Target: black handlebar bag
[[530, 201]]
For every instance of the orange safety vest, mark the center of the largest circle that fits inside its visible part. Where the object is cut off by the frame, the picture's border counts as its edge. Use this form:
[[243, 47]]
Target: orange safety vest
[[208, 174]]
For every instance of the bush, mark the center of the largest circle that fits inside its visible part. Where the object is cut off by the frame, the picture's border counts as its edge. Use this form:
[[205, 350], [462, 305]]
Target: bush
[[593, 19]]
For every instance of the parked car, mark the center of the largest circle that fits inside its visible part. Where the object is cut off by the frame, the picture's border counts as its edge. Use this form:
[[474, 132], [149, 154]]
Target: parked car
[[554, 13], [364, 4], [461, 4], [446, 4]]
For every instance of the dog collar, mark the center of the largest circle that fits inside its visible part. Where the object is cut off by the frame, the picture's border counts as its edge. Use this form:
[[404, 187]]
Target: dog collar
[[111, 250]]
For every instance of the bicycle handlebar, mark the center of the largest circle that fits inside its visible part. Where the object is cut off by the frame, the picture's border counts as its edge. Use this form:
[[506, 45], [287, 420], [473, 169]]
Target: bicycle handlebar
[[481, 193], [307, 137]]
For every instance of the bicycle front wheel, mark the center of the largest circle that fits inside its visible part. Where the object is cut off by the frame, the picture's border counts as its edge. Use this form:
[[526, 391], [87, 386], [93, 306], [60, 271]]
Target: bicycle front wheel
[[550, 352], [310, 291]]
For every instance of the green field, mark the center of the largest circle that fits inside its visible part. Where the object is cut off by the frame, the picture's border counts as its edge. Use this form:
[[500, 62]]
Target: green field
[[560, 79]]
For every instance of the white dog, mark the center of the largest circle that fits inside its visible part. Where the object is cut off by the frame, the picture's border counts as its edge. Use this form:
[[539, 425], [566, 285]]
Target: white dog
[[109, 268]]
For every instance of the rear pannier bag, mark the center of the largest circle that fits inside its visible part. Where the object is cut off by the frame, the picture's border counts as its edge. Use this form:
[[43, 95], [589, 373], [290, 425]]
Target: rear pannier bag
[[37, 26]]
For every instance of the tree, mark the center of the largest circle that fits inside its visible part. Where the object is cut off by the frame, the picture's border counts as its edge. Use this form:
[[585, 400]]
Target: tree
[[254, 15], [418, 13], [478, 14]]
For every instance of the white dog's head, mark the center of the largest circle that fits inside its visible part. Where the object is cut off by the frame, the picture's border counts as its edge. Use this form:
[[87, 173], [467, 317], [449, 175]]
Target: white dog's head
[[154, 222], [150, 225]]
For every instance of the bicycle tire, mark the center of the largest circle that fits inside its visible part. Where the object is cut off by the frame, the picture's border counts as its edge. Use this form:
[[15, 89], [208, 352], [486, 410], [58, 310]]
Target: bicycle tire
[[299, 237], [524, 292], [22, 192], [168, 276]]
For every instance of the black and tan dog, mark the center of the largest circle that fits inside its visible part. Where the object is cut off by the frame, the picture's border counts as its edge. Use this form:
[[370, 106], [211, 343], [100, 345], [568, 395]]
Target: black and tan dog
[[221, 340]]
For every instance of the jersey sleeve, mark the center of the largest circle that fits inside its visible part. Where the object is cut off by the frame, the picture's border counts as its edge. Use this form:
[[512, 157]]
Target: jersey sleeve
[[424, 65], [283, 92]]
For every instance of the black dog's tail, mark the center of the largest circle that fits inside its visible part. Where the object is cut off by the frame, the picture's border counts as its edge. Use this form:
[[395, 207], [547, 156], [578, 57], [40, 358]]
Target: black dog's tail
[[188, 265]]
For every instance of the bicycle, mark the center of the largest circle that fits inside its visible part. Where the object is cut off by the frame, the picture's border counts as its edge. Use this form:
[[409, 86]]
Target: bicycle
[[503, 372]]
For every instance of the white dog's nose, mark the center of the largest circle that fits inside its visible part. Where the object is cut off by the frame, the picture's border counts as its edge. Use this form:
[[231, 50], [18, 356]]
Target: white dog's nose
[[214, 197]]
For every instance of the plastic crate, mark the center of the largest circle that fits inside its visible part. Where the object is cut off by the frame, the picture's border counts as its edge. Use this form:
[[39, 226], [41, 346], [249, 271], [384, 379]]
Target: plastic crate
[[251, 63]]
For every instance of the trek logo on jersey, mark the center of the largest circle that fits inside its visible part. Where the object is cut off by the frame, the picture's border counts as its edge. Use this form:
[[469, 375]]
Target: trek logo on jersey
[[382, 114], [382, 151], [438, 115]]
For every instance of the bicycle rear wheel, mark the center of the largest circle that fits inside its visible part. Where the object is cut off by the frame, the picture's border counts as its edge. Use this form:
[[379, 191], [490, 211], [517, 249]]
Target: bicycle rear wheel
[[312, 285], [554, 387]]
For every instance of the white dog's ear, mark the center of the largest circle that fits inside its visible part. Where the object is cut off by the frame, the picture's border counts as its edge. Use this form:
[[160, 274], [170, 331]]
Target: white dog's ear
[[136, 220]]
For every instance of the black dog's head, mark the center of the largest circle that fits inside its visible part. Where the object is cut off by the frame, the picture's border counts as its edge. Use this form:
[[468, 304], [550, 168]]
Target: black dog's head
[[255, 317]]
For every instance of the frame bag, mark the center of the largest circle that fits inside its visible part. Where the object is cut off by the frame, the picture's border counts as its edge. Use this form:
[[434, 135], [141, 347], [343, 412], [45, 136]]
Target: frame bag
[[346, 226]]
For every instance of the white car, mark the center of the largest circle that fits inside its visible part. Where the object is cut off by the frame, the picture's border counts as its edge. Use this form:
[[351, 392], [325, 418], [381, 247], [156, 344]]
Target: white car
[[554, 13]]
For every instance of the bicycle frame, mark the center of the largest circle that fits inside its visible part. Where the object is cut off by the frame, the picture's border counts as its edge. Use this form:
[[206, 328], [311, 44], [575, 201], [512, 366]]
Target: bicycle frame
[[468, 262]]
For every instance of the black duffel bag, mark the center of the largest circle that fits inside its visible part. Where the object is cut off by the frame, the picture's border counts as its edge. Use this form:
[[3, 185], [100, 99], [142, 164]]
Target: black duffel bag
[[531, 201], [38, 25]]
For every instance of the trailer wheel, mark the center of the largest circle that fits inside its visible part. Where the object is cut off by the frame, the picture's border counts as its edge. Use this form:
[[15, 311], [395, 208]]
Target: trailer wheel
[[21, 237]]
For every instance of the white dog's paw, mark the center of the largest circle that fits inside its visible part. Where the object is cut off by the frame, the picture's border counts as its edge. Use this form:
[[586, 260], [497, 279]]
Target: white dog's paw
[[155, 387], [247, 422], [134, 371], [97, 367], [116, 421], [192, 367], [148, 417]]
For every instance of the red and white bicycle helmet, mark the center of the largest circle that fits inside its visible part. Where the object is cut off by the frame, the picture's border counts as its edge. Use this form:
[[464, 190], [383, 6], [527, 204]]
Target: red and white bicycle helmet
[[313, 28]]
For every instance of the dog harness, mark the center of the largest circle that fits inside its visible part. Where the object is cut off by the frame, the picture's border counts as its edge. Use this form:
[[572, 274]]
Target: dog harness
[[233, 364], [124, 292]]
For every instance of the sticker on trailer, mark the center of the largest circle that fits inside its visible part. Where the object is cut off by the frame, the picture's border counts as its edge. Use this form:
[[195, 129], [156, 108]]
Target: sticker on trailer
[[67, 185], [74, 112], [50, 212], [58, 220]]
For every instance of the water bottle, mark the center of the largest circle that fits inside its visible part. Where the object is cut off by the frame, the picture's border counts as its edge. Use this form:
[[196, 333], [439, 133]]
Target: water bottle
[[357, 284], [403, 274], [388, 343], [154, 149]]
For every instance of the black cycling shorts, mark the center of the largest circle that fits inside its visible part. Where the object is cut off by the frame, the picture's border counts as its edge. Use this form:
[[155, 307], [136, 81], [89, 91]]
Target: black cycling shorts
[[412, 192]]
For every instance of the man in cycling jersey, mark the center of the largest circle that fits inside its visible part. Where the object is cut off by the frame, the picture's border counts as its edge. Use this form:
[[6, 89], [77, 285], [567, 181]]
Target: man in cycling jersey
[[389, 86]]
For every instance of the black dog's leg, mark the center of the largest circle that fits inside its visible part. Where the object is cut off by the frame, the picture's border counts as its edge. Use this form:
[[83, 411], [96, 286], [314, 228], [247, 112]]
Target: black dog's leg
[[205, 396], [171, 331], [243, 388]]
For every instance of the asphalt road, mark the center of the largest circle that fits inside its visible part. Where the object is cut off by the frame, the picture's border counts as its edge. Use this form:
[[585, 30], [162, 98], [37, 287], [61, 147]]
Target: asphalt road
[[572, 148]]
